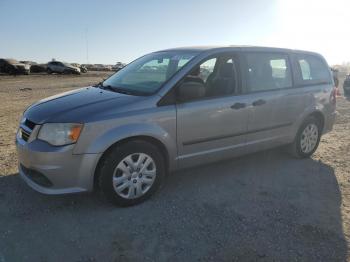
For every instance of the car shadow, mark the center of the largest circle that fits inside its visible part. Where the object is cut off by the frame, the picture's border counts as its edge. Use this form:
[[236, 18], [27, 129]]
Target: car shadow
[[266, 206]]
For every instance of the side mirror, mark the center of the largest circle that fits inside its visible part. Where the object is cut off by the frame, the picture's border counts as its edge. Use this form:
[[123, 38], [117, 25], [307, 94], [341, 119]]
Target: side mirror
[[190, 91]]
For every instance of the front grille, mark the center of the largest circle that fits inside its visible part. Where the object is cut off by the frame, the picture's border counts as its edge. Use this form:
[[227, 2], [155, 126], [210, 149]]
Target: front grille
[[26, 129], [37, 177]]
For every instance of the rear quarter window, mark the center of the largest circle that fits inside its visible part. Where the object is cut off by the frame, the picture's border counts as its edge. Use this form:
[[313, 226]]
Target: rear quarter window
[[267, 71], [312, 70]]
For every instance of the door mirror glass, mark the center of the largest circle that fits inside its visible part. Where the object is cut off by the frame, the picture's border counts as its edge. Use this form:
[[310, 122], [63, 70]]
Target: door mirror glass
[[188, 91]]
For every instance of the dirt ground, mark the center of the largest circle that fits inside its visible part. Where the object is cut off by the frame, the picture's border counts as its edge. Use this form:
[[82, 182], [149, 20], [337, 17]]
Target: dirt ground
[[262, 207]]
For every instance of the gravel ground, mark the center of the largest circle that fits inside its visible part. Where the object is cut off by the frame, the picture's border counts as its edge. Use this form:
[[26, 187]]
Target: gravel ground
[[262, 207]]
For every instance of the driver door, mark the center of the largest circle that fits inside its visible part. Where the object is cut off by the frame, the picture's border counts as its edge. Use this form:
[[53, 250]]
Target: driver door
[[213, 126]]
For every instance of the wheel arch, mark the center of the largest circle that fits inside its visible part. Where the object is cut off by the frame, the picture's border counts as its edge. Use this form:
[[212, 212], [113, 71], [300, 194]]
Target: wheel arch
[[154, 141], [319, 117], [314, 112]]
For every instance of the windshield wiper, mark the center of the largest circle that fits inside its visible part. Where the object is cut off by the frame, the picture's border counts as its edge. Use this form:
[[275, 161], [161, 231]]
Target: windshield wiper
[[120, 90], [123, 91], [98, 84], [105, 87], [108, 87]]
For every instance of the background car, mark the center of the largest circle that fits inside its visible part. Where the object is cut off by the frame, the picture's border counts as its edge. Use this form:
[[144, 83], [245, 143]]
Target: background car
[[13, 67], [346, 85], [118, 66], [62, 68], [38, 68], [83, 69], [98, 67], [35, 67]]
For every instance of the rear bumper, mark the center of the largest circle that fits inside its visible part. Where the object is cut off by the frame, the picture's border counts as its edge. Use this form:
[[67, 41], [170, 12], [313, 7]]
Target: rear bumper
[[329, 122], [346, 88], [55, 170]]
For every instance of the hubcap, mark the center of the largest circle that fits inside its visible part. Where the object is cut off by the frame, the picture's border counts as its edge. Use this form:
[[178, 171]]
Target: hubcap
[[134, 175], [309, 138]]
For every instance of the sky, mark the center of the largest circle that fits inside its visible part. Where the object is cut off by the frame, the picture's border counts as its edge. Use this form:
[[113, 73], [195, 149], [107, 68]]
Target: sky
[[110, 31]]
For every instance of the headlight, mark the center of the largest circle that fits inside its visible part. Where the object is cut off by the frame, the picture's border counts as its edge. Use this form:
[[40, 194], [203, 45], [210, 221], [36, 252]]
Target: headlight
[[59, 134]]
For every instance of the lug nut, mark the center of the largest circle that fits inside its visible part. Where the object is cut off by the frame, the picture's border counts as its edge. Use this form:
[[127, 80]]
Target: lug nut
[[140, 175], [134, 181]]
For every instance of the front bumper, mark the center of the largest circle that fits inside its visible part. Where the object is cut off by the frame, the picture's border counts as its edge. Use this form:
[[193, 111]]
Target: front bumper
[[63, 171]]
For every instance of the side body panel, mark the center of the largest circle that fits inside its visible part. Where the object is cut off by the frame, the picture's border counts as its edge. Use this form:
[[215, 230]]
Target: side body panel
[[155, 122], [210, 130], [317, 97]]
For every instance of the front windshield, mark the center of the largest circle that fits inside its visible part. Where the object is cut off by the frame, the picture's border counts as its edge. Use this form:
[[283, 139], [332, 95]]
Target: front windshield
[[148, 73]]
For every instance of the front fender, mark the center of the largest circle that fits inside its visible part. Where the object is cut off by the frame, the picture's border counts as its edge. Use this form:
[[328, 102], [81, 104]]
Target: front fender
[[94, 141]]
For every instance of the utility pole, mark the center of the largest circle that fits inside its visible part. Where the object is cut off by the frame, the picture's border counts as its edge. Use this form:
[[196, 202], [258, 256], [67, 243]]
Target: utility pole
[[87, 45]]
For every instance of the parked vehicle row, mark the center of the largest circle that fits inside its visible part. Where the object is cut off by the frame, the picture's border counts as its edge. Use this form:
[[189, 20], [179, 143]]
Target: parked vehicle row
[[175, 109], [13, 67]]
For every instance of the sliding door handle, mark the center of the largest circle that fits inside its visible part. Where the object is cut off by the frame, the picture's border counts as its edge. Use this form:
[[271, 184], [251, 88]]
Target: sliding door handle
[[238, 105], [259, 102]]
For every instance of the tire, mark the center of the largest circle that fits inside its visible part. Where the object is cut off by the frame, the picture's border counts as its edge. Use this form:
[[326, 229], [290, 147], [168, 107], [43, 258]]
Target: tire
[[115, 166], [296, 149], [49, 71]]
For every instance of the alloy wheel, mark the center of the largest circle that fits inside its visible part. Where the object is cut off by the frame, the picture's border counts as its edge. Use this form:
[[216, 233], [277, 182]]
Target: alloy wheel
[[309, 138]]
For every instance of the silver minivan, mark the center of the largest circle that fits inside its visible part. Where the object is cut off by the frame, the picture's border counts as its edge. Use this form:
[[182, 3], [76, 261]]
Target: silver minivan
[[174, 109]]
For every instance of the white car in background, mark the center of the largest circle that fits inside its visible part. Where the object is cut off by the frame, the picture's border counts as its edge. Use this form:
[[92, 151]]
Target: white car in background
[[62, 68]]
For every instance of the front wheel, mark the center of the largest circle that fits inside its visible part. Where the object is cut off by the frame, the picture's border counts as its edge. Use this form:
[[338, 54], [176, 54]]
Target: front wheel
[[130, 173], [307, 138]]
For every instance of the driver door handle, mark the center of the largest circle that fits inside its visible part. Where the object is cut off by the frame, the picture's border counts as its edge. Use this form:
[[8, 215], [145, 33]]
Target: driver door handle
[[259, 102]]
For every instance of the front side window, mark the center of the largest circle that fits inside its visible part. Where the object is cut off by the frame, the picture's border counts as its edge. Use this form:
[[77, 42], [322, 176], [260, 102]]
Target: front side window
[[267, 71], [207, 68], [214, 77], [147, 74], [313, 69]]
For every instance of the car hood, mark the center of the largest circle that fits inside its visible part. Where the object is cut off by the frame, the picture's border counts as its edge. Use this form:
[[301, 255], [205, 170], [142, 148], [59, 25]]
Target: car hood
[[78, 106]]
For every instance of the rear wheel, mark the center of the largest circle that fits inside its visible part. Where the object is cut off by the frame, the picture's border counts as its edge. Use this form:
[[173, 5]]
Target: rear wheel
[[307, 138], [131, 173]]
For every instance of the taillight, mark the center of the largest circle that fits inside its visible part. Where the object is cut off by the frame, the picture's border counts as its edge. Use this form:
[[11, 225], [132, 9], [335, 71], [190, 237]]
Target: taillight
[[333, 97]]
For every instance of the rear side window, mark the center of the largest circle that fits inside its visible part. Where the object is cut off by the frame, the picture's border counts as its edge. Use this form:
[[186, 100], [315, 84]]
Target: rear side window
[[312, 70], [267, 71]]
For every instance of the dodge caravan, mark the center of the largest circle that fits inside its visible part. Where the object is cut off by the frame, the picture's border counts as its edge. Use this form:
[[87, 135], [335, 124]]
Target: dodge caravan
[[174, 109]]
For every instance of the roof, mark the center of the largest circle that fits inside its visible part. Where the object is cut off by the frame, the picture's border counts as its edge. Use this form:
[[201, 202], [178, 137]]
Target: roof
[[235, 47]]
